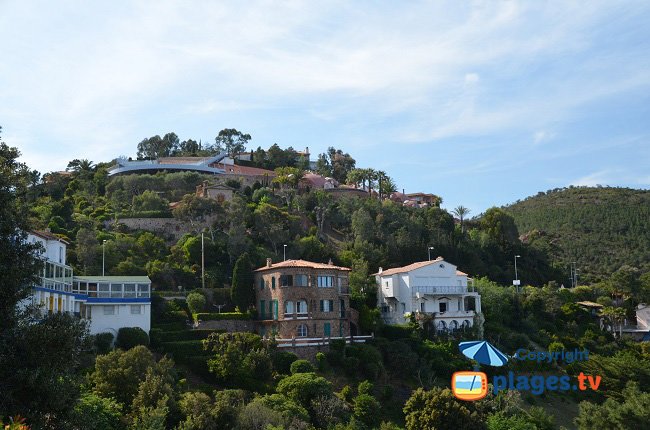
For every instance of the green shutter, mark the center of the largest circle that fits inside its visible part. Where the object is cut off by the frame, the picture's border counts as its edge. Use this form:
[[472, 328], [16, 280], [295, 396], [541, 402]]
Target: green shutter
[[262, 309], [327, 330], [322, 305]]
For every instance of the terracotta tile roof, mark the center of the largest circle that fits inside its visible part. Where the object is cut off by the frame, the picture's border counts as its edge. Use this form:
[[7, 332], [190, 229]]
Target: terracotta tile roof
[[301, 263], [48, 236], [408, 268], [235, 169], [415, 266]]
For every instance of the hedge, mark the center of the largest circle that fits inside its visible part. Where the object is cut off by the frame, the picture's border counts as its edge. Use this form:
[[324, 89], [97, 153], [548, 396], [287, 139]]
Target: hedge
[[395, 332], [214, 316], [184, 335], [184, 348], [128, 337], [171, 326]]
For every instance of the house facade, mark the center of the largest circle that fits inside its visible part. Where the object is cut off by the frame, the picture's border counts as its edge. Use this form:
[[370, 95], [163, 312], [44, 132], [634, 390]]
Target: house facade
[[435, 291], [108, 303], [303, 299]]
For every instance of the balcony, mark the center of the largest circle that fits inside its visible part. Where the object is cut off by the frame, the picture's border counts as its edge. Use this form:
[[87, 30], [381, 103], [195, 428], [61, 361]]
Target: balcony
[[452, 289]]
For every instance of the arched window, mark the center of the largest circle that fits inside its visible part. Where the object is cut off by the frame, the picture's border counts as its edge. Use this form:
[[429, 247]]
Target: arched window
[[453, 325], [302, 330], [301, 307], [441, 326], [466, 324], [288, 308]]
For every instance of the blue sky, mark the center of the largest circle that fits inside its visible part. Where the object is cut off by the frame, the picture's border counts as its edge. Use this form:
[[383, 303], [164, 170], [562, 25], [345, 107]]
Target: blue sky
[[482, 103]]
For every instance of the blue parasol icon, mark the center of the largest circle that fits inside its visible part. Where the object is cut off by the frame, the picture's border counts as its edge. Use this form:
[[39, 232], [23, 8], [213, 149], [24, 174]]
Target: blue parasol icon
[[483, 352]]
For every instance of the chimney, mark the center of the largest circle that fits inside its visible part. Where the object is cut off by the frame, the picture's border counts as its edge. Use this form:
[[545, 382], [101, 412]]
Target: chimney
[[403, 192], [380, 270], [330, 262], [269, 262]]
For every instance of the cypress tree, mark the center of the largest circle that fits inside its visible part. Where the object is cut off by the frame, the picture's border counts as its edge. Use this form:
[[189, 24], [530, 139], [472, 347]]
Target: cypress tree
[[242, 291]]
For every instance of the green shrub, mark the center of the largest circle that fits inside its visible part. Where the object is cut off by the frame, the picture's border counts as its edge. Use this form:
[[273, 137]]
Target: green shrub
[[301, 366], [282, 361], [128, 337], [103, 343], [351, 365], [196, 302], [321, 360], [394, 332]]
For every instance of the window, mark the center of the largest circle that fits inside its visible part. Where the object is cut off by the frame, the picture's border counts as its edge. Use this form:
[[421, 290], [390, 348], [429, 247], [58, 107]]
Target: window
[[385, 309], [261, 284], [302, 330], [262, 309], [453, 325], [326, 281], [61, 254], [129, 290], [288, 308], [136, 309], [104, 290], [273, 283], [286, 280], [143, 290], [422, 307], [443, 306], [326, 305], [109, 310], [441, 326], [300, 281], [301, 307]]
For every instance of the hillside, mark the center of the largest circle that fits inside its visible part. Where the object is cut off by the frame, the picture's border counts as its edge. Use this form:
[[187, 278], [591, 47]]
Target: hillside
[[600, 228]]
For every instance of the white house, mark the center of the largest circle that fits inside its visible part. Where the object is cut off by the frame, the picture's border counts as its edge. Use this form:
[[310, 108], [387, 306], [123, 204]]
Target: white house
[[107, 302], [433, 289], [113, 302]]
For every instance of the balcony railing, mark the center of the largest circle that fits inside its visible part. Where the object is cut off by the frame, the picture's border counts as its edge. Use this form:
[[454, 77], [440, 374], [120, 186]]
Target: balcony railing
[[452, 289]]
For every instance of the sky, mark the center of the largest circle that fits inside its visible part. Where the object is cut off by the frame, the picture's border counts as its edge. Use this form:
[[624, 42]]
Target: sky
[[480, 102]]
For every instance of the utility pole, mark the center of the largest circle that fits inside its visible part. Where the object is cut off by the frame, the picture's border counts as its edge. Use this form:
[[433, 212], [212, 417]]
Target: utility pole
[[430, 248], [516, 281], [202, 263], [103, 256], [284, 252]]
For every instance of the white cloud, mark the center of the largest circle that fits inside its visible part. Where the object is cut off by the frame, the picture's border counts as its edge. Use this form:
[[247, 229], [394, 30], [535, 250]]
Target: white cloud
[[542, 135], [471, 78]]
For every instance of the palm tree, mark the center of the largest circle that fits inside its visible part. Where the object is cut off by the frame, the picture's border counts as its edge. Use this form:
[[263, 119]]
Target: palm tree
[[461, 211], [614, 317]]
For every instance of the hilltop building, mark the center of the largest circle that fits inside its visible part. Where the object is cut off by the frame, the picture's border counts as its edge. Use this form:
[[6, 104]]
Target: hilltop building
[[107, 302], [434, 290], [300, 299]]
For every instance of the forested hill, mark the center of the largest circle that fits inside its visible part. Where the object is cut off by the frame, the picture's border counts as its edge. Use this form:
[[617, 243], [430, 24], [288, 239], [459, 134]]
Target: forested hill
[[600, 228]]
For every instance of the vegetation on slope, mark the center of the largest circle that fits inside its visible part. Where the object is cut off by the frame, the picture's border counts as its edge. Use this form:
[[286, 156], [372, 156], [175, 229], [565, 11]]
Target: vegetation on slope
[[600, 228]]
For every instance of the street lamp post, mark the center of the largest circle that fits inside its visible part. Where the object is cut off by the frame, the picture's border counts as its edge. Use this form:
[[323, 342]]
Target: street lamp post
[[103, 255], [430, 248], [284, 252], [516, 282]]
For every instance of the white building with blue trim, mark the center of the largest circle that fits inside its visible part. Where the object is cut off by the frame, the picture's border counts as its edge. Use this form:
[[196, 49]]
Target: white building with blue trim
[[107, 302]]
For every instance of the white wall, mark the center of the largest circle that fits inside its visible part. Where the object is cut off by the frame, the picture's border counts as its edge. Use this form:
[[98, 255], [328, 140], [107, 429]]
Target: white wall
[[100, 323], [54, 250]]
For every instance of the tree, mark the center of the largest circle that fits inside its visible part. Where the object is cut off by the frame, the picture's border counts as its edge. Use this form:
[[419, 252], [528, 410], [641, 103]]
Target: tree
[[243, 291], [633, 411], [18, 263], [87, 249], [196, 302], [439, 409], [335, 163], [155, 147], [118, 374], [192, 208], [500, 227], [386, 184], [93, 411], [149, 201], [461, 211], [304, 387], [232, 141], [240, 357]]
